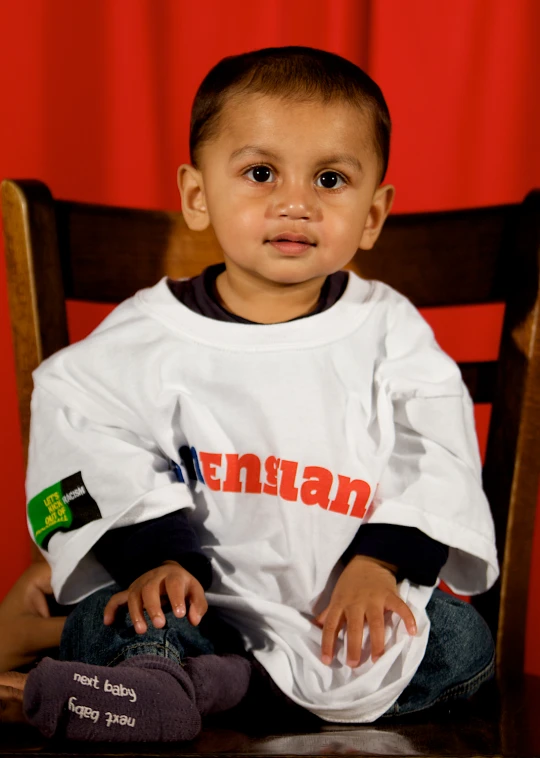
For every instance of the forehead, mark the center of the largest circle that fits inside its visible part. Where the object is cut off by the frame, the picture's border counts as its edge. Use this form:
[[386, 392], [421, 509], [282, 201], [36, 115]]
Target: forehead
[[282, 125]]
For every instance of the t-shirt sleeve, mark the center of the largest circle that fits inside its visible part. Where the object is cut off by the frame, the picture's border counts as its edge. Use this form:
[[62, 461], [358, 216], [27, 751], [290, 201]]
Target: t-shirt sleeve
[[432, 480], [92, 466]]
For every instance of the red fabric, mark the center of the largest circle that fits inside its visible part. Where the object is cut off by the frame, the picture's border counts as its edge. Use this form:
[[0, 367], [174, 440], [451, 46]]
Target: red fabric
[[96, 98], [461, 80]]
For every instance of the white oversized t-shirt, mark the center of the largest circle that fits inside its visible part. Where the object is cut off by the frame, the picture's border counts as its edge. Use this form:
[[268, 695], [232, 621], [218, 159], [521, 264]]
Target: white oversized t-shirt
[[297, 433]]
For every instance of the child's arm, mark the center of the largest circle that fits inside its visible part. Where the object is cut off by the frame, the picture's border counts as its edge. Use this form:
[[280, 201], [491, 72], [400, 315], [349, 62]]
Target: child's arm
[[366, 589], [130, 551], [169, 580], [432, 479], [105, 471], [416, 556], [156, 545], [379, 556]]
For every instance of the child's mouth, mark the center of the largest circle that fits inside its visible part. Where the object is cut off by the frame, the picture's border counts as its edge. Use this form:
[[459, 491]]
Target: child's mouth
[[291, 244]]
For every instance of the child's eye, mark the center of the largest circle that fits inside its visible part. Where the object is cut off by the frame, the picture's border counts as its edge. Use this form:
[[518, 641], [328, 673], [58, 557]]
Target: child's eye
[[260, 174], [330, 180]]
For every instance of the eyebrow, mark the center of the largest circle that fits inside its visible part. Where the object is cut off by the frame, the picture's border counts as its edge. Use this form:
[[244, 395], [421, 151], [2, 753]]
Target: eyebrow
[[252, 150], [349, 160]]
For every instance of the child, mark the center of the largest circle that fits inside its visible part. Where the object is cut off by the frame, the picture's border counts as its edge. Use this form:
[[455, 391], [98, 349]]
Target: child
[[276, 432]]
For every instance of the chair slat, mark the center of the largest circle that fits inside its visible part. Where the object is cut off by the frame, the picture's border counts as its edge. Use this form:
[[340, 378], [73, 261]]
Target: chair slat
[[450, 258], [425, 256], [109, 253]]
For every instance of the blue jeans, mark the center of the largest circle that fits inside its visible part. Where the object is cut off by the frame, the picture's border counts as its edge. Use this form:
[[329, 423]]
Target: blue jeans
[[86, 639], [458, 659]]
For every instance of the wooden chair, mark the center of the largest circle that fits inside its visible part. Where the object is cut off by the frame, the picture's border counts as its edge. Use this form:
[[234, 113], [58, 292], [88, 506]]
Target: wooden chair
[[57, 250]]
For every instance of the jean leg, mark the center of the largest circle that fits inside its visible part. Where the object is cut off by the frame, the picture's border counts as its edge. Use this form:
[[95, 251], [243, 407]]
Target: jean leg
[[459, 658], [86, 639]]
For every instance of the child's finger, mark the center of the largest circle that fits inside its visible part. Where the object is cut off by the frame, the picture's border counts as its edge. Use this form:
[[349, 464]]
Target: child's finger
[[332, 625], [151, 600], [355, 634], [321, 618], [176, 592], [396, 604], [113, 605], [13, 679], [136, 611], [197, 602], [375, 620], [8, 693], [39, 603]]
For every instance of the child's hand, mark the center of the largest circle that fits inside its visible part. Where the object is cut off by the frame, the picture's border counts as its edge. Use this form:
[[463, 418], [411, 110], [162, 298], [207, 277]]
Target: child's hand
[[28, 595], [364, 591], [26, 626], [170, 580]]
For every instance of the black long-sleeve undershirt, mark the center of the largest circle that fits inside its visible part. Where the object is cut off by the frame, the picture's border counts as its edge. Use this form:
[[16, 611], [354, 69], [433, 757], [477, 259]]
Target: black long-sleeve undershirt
[[130, 551]]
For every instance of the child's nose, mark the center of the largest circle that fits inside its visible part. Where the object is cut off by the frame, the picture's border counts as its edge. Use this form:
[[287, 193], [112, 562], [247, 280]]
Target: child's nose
[[296, 202], [295, 210]]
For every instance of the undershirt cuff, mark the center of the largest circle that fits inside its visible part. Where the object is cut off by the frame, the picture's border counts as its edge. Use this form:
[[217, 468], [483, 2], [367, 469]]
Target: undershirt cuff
[[418, 558], [130, 551]]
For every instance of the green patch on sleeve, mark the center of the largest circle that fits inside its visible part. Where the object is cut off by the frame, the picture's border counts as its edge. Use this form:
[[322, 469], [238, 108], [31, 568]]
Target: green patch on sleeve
[[47, 512], [64, 506]]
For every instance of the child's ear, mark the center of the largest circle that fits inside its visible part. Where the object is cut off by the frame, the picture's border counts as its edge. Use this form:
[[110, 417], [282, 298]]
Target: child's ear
[[380, 208], [191, 188]]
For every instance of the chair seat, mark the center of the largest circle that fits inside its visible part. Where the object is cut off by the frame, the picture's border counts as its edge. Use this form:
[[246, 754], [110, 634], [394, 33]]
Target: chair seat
[[492, 724]]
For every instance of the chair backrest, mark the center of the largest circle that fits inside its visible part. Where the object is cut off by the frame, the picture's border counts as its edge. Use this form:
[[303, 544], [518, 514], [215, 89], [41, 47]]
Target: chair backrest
[[57, 250]]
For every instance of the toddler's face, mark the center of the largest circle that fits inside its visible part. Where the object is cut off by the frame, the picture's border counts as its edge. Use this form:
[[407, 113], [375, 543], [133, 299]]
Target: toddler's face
[[290, 188]]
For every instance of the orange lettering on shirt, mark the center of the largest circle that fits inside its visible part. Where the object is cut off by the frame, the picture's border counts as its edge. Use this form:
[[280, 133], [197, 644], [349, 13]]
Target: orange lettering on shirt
[[287, 490], [252, 465], [316, 488], [341, 502], [271, 466], [209, 463]]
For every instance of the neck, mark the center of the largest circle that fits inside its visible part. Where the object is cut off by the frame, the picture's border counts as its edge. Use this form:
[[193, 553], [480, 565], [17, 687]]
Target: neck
[[266, 302]]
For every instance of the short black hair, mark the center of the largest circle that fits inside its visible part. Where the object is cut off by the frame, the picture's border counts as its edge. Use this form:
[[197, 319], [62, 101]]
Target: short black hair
[[302, 73]]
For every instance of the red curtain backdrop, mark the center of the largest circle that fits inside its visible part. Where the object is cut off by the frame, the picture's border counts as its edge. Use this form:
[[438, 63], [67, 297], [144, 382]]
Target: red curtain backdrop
[[96, 97]]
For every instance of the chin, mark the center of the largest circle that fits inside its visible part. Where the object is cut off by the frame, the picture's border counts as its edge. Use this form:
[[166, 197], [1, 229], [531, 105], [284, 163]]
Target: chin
[[293, 278], [291, 271]]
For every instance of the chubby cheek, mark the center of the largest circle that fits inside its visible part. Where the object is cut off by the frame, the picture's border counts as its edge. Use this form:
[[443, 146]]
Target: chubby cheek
[[342, 234], [238, 226]]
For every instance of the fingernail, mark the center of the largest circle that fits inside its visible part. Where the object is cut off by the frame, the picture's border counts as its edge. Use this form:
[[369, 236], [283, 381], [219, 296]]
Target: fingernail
[[326, 660], [352, 664], [179, 610]]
